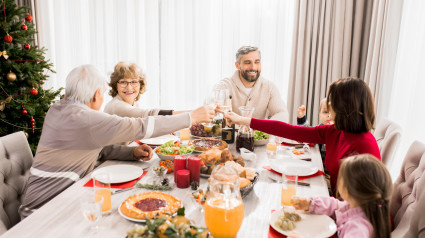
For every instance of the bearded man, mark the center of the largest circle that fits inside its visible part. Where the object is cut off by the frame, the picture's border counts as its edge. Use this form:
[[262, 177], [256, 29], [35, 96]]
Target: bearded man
[[247, 88]]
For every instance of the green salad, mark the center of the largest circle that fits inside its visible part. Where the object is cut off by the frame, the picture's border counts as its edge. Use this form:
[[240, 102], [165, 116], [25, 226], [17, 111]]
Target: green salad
[[259, 135], [174, 148]]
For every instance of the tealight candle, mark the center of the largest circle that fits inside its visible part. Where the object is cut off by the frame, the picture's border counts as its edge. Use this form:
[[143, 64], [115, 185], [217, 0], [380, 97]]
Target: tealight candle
[[194, 167], [182, 178], [179, 163]]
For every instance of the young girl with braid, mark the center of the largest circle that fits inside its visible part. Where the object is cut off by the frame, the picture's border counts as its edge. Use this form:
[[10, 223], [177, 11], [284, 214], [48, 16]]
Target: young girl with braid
[[365, 186]]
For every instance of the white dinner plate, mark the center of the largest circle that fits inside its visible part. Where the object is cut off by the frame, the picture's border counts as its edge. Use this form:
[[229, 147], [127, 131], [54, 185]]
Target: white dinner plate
[[293, 167], [159, 140], [311, 225], [120, 173]]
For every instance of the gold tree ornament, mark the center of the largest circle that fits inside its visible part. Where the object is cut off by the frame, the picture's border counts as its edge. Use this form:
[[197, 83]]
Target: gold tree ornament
[[26, 134], [11, 76]]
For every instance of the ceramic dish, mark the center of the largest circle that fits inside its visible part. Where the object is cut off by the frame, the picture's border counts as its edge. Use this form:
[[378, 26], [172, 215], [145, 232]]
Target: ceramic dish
[[159, 140], [170, 157], [261, 142], [293, 167], [310, 226]]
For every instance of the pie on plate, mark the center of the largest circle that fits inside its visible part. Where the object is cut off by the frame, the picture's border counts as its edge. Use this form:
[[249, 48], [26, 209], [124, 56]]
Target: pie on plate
[[147, 205], [205, 144]]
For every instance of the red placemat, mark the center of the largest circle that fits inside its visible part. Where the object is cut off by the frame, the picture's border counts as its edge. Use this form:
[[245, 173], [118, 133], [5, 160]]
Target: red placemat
[[318, 173], [128, 184]]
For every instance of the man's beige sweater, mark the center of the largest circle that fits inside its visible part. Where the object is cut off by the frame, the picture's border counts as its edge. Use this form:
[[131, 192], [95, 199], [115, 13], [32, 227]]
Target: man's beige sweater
[[264, 97]]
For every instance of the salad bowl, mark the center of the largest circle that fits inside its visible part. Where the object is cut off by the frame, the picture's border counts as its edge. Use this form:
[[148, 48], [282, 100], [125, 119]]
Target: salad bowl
[[170, 149]]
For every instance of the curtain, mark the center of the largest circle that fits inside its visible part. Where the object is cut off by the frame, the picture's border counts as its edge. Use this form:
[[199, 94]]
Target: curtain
[[184, 47], [382, 52], [330, 42], [407, 97]]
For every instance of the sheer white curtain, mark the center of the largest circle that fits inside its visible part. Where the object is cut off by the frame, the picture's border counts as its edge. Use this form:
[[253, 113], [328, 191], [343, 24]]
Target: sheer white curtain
[[184, 47], [407, 103], [102, 33]]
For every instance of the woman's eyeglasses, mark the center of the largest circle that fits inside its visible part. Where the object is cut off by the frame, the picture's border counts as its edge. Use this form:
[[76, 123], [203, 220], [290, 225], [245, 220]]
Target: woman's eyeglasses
[[124, 84]]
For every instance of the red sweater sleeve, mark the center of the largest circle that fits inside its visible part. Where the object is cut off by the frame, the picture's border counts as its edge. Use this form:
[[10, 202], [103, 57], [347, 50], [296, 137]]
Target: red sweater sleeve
[[315, 134]]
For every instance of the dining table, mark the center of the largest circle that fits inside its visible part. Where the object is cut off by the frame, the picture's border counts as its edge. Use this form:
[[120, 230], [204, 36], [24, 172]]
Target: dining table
[[62, 217]]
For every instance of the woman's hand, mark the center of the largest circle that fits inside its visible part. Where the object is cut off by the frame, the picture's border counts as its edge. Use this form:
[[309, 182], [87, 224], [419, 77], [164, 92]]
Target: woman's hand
[[143, 152], [233, 118], [202, 114], [301, 203]]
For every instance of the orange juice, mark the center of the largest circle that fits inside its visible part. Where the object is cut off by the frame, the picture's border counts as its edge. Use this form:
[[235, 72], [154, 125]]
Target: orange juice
[[106, 195], [221, 222], [271, 146], [185, 134], [288, 191]]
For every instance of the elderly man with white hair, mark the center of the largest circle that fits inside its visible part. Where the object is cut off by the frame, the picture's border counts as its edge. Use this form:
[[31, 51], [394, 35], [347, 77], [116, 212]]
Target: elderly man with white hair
[[75, 131]]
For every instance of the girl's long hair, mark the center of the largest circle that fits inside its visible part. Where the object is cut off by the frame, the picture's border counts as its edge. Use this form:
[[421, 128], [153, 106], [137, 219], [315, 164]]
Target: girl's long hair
[[369, 183]]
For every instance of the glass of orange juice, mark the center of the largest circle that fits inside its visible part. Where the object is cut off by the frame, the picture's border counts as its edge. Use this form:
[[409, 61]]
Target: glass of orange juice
[[184, 134], [102, 190], [289, 187], [271, 148]]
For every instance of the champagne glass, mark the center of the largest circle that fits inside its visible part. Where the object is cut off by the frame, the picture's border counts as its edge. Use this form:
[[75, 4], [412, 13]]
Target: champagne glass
[[92, 211], [210, 101]]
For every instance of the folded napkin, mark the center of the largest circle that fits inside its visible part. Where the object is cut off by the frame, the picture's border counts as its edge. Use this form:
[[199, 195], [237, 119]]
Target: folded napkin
[[318, 173], [128, 184]]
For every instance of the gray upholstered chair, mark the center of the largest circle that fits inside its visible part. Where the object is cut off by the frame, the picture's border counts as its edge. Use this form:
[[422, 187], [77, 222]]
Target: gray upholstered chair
[[408, 201], [388, 135], [15, 162]]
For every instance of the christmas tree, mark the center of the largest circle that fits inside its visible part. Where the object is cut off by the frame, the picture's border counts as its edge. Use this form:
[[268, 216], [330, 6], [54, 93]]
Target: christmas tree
[[23, 70]]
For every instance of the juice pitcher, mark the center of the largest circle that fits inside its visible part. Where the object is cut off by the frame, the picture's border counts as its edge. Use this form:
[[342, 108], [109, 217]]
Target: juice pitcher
[[224, 210], [245, 138]]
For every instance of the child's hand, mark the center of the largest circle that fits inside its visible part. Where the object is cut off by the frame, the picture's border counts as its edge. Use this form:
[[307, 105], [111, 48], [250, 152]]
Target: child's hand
[[301, 111], [301, 203]]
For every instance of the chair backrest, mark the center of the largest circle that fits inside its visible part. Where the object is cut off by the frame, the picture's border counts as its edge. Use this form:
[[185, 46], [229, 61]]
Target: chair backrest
[[407, 187], [388, 136], [15, 161]]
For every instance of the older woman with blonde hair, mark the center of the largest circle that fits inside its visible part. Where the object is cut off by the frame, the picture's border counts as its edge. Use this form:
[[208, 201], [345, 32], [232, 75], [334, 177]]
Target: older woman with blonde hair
[[127, 83]]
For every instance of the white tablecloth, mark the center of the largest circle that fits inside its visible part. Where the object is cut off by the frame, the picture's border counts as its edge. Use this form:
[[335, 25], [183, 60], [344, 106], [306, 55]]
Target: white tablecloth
[[61, 217]]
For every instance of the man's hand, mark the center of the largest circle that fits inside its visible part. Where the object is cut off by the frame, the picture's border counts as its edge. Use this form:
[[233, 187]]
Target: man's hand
[[143, 152], [301, 111], [202, 114]]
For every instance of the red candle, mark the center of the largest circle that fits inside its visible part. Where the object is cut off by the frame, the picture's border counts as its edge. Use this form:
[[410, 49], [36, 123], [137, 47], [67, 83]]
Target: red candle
[[179, 163], [183, 178], [194, 167]]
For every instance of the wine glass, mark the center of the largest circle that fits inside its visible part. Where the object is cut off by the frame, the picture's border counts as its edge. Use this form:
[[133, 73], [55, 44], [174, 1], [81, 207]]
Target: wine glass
[[91, 210], [210, 101]]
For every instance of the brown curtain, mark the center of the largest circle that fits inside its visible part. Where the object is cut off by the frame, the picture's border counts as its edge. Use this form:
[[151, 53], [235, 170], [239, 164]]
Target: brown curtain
[[331, 39]]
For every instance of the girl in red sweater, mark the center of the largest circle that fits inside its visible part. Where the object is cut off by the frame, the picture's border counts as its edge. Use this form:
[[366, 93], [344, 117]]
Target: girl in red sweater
[[351, 107]]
